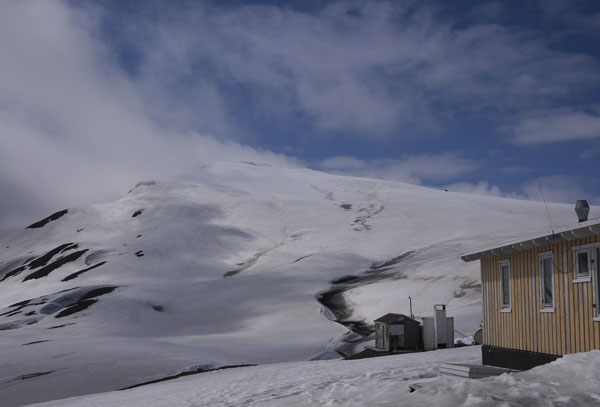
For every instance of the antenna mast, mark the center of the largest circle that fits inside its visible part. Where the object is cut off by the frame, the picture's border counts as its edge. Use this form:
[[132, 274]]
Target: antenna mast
[[545, 204]]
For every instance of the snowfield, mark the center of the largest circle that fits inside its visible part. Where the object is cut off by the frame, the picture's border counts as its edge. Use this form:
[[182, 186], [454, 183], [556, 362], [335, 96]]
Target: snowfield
[[238, 263], [383, 381]]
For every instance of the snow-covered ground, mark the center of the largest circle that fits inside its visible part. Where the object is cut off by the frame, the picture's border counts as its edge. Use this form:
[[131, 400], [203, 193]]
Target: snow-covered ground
[[384, 381], [237, 263]]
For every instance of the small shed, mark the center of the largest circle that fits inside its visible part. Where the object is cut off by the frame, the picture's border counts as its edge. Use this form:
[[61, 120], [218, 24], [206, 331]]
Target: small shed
[[395, 332]]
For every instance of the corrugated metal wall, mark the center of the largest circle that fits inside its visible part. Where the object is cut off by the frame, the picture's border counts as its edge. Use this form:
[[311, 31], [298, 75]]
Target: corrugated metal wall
[[569, 329]]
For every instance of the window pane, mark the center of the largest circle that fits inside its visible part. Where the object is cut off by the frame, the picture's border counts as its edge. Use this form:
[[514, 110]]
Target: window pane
[[547, 272], [505, 286], [582, 263]]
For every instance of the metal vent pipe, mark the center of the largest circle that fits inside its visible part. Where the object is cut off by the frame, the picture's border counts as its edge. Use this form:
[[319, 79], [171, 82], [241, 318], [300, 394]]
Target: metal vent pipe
[[582, 209]]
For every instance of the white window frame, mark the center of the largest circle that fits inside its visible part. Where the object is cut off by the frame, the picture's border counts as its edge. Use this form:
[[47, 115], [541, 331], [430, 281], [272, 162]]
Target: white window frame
[[596, 277], [505, 307], [543, 306], [582, 278]]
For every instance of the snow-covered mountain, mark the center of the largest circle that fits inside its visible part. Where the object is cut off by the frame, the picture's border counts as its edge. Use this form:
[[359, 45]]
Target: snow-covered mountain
[[236, 264]]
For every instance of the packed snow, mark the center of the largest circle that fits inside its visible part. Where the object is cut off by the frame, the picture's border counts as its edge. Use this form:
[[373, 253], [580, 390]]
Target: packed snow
[[238, 263], [383, 381]]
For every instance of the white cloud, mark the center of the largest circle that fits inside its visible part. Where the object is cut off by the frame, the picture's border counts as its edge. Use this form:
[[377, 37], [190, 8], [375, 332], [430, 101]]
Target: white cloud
[[554, 188], [415, 169], [559, 188], [73, 127], [480, 188], [557, 126]]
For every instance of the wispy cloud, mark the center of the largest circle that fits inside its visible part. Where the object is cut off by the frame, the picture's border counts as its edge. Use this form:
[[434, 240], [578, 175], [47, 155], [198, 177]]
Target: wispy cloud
[[416, 169], [559, 188], [480, 188], [365, 67], [558, 125], [554, 188]]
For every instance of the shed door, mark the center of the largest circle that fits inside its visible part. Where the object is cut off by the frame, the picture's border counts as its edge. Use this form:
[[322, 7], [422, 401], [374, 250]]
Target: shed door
[[396, 342]]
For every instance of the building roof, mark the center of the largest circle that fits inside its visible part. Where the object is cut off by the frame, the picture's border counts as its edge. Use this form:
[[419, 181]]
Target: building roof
[[391, 318], [580, 230]]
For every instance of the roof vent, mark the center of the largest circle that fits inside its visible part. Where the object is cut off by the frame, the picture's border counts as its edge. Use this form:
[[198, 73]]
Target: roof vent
[[582, 209]]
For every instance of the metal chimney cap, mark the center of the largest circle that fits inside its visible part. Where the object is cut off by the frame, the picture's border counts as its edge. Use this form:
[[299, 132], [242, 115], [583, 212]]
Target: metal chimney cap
[[582, 209]]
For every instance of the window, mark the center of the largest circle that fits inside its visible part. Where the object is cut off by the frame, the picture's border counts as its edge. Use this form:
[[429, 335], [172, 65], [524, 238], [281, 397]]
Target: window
[[547, 281], [582, 267], [505, 284]]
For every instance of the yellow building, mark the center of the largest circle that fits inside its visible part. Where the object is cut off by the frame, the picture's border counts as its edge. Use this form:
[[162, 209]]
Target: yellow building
[[541, 297]]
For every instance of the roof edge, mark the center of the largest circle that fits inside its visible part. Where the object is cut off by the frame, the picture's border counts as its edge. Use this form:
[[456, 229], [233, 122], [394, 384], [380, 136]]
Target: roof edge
[[580, 230]]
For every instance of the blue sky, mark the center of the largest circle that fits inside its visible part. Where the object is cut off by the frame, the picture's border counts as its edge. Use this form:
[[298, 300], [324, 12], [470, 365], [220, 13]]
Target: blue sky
[[481, 97]]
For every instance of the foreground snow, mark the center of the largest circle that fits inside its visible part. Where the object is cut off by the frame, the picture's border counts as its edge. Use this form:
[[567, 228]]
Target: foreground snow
[[383, 381]]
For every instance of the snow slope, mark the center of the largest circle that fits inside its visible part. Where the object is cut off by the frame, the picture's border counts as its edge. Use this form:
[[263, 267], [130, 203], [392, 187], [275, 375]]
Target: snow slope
[[233, 265]]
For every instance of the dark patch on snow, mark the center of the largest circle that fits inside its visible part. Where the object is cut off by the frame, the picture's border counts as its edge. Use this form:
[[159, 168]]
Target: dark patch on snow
[[137, 213], [458, 294], [143, 183], [30, 313], [232, 273], [34, 342], [14, 272], [72, 246], [138, 236], [361, 221], [79, 230], [344, 279], [44, 271], [333, 299], [471, 285], [97, 292], [8, 267], [158, 308], [9, 325], [77, 307], [39, 261], [85, 301], [20, 303], [346, 206], [139, 253], [50, 218], [61, 326], [30, 376], [78, 273], [97, 255], [381, 264], [45, 258], [27, 303], [74, 296], [301, 258], [182, 374], [10, 313]]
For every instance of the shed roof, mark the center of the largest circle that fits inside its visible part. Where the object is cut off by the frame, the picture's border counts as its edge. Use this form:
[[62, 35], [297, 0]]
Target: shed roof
[[580, 230], [391, 318]]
